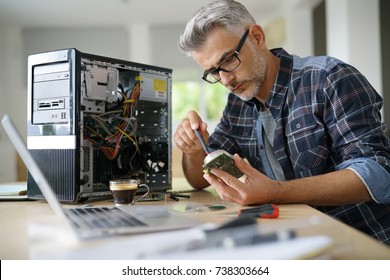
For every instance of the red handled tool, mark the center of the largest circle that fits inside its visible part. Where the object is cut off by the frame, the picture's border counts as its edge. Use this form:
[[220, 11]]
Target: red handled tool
[[270, 211]]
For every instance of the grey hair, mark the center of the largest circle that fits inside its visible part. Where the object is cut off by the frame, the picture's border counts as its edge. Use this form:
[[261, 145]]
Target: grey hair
[[228, 14]]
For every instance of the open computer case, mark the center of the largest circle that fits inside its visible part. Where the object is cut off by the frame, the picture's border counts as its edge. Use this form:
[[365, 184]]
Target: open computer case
[[92, 119]]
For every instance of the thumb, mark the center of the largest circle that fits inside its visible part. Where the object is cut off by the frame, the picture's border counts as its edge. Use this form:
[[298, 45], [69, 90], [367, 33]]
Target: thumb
[[243, 165]]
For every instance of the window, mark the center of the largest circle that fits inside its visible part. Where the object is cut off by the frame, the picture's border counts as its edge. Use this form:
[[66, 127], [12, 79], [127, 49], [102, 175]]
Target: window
[[208, 100]]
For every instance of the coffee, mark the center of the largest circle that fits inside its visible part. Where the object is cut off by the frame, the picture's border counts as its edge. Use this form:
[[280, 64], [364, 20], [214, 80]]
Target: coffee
[[123, 191]]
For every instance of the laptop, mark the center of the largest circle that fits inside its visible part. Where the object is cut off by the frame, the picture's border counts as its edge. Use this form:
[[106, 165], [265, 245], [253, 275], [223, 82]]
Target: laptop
[[94, 222]]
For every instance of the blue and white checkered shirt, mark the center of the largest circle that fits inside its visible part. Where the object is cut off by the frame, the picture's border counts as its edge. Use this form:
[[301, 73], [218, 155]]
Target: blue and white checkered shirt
[[327, 118]]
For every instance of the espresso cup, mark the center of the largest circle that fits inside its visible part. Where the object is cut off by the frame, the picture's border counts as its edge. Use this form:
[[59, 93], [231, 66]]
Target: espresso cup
[[124, 190]]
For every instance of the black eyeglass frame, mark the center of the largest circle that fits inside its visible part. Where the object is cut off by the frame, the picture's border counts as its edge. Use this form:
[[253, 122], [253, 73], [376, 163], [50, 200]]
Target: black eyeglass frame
[[219, 68]]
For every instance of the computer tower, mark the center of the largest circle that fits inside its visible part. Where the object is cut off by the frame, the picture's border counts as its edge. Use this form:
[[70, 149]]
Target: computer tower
[[92, 119]]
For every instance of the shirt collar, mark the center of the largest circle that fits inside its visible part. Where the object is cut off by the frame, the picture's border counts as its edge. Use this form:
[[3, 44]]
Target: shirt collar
[[279, 89]]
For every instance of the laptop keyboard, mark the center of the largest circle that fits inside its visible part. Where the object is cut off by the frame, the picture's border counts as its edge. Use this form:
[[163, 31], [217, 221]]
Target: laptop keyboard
[[102, 217]]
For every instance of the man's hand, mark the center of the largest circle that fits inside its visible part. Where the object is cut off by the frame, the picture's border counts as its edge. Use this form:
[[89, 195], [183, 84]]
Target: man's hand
[[185, 138], [331, 189], [253, 188], [193, 153]]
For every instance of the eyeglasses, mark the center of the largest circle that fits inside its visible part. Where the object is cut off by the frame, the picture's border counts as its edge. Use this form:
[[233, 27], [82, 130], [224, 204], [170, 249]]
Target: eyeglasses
[[229, 64]]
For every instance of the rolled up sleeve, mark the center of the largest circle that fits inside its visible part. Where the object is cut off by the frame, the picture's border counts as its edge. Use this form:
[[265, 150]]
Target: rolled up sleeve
[[375, 177]]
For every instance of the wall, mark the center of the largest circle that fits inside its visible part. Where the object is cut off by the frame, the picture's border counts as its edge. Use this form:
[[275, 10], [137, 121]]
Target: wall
[[319, 29], [385, 46], [353, 35], [12, 93]]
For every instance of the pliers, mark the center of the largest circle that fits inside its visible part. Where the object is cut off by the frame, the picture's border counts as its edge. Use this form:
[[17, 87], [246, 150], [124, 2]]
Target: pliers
[[270, 211]]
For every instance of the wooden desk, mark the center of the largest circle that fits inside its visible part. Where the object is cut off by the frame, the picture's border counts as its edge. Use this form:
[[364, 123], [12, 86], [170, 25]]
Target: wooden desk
[[351, 244]]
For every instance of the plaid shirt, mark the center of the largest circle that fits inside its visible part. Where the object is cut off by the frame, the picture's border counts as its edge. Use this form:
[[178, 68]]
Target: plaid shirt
[[328, 118]]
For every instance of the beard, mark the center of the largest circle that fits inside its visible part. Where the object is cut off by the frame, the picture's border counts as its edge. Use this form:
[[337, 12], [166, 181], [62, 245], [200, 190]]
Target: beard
[[255, 80]]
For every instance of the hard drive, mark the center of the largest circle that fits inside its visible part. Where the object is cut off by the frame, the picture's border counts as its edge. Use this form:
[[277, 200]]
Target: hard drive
[[222, 160]]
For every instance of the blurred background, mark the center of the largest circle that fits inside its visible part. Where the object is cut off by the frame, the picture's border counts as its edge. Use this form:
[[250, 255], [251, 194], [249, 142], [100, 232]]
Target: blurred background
[[147, 31]]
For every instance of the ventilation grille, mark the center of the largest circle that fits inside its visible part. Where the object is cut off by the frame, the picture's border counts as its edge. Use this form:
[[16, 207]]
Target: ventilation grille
[[59, 168]]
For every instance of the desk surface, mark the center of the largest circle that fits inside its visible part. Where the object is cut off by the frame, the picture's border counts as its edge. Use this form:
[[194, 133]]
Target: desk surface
[[15, 216]]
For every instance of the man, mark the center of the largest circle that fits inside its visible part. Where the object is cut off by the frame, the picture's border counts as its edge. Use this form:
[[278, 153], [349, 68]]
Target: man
[[310, 128]]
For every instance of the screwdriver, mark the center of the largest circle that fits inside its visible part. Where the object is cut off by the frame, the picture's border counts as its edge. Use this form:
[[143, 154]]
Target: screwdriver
[[197, 133]]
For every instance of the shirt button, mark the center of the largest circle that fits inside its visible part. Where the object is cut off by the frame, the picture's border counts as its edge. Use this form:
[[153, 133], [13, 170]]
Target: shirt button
[[261, 147], [298, 125]]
